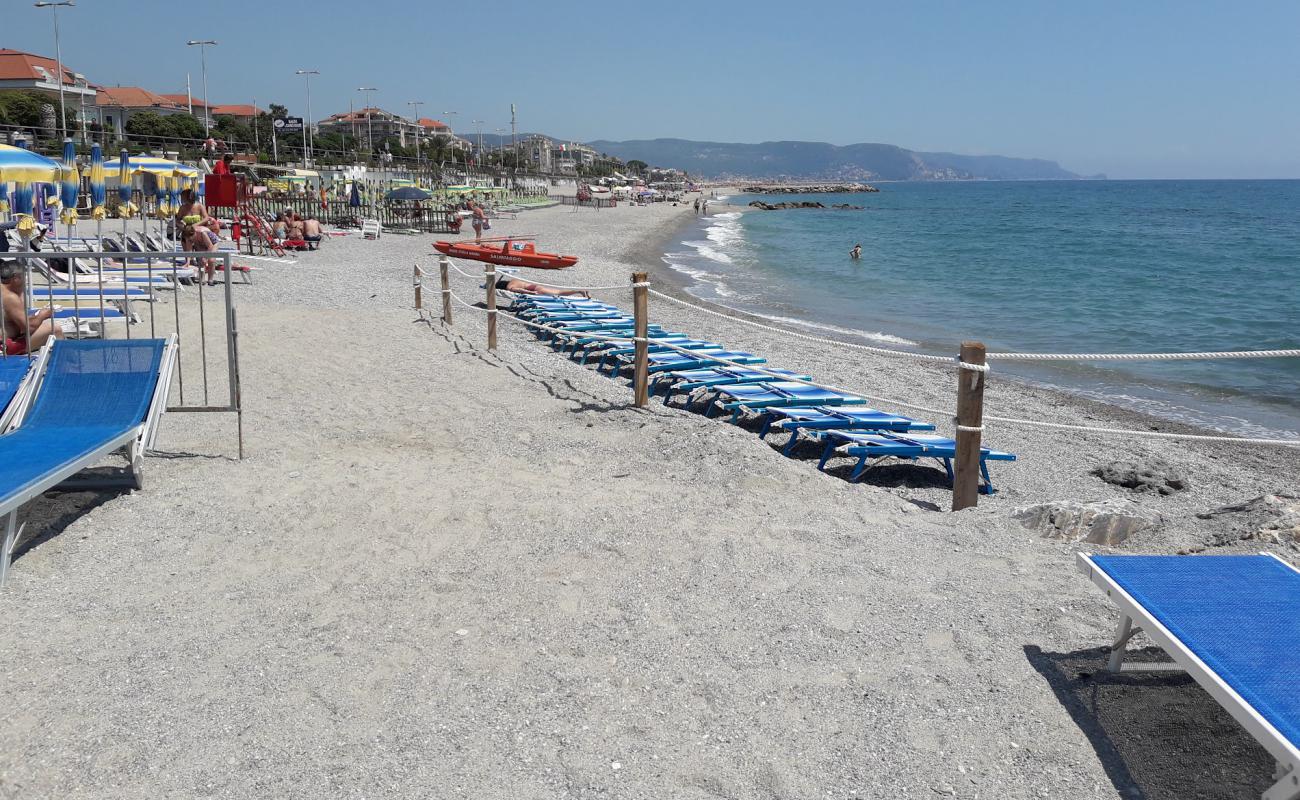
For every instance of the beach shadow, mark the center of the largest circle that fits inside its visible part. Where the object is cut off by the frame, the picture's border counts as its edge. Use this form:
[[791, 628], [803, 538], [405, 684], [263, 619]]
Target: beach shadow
[[889, 476], [1159, 736], [49, 515]]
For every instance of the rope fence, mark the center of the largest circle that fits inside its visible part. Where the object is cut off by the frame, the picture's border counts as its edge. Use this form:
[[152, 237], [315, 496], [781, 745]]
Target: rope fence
[[968, 424]]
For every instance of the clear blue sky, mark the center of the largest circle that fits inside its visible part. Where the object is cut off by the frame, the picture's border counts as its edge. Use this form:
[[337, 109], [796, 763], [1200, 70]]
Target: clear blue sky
[[1133, 89]]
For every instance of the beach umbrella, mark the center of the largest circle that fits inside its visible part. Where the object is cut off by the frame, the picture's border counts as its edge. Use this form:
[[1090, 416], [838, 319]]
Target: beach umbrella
[[354, 198], [24, 169], [69, 188], [98, 193], [124, 188], [408, 193], [161, 205], [174, 191]]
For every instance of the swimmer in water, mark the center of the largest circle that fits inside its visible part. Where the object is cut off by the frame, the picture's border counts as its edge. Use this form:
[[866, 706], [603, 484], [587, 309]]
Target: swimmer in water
[[856, 252]]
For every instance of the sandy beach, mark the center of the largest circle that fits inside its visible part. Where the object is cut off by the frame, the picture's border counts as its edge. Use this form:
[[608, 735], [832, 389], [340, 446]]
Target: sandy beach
[[447, 572]]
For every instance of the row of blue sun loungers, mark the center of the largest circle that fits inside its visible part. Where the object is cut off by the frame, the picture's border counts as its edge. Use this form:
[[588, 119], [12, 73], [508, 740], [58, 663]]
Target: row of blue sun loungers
[[1230, 622], [715, 378]]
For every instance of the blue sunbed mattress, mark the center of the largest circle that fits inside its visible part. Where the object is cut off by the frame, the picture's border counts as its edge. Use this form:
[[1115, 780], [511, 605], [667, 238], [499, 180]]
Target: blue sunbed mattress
[[93, 393], [1238, 614]]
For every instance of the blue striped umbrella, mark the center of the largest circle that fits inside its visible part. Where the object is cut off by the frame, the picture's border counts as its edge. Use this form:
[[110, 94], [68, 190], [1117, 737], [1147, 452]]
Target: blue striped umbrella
[[69, 184], [124, 185], [174, 192], [163, 207], [98, 193]]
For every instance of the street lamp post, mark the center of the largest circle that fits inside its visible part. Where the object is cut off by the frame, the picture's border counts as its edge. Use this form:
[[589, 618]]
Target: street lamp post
[[203, 59], [53, 5], [415, 112], [478, 156], [370, 114], [306, 140]]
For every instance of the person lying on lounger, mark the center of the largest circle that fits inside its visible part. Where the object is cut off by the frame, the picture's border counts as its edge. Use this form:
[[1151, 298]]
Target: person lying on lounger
[[22, 333], [524, 287]]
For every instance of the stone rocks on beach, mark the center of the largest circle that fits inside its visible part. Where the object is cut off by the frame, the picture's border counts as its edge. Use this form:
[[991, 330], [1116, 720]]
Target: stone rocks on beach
[[1273, 518], [787, 204], [1108, 522], [1151, 475], [824, 188]]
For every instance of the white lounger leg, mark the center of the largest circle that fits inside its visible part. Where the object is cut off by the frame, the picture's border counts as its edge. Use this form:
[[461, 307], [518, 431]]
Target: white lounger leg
[[11, 538], [1287, 786], [1123, 632]]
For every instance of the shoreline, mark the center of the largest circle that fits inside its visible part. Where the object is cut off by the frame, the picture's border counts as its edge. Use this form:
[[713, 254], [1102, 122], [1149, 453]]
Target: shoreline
[[676, 284]]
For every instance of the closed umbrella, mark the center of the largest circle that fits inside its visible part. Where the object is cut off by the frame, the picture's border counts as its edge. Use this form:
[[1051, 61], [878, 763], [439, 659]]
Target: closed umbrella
[[98, 192], [124, 188], [69, 188]]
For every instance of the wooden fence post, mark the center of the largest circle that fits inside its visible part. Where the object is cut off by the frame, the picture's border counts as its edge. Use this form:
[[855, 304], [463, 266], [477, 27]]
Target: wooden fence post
[[419, 289], [641, 364], [970, 425], [490, 273], [446, 290]]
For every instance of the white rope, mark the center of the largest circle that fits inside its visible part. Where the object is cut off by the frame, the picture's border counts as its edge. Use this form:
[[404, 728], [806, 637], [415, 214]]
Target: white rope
[[1212, 354], [898, 403], [880, 350], [1153, 434]]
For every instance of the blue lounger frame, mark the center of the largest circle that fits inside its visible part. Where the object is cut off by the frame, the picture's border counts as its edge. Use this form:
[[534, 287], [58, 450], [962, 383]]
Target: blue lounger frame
[[867, 447], [778, 393], [818, 419], [1231, 623]]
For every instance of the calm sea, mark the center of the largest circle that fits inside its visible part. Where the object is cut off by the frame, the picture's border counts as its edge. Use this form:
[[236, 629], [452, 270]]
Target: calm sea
[[1104, 266]]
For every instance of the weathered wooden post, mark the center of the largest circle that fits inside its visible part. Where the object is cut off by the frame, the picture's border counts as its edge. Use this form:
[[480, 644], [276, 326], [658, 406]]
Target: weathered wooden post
[[443, 265], [970, 426], [490, 273], [641, 364], [419, 289]]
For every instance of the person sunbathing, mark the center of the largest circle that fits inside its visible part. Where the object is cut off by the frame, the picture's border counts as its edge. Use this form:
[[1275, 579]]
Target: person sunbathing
[[23, 333], [524, 287], [311, 232], [191, 207], [198, 239]]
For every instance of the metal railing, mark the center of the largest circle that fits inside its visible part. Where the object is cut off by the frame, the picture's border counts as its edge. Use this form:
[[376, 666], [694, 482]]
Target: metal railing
[[92, 292]]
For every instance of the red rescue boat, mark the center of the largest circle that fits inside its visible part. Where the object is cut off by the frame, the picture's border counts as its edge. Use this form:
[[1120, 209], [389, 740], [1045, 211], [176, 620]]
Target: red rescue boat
[[508, 252]]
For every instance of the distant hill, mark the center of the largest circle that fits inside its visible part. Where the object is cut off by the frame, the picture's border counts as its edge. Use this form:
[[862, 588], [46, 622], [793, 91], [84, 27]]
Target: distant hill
[[822, 161]]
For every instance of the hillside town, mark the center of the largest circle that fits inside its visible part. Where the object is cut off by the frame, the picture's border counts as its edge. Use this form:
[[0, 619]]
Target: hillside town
[[188, 126]]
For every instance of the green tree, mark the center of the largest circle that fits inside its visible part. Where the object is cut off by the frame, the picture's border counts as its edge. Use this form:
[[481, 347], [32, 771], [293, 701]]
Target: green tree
[[638, 166]]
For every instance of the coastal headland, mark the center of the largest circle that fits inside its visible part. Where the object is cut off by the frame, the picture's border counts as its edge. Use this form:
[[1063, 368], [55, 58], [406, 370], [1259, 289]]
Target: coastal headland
[[444, 571]]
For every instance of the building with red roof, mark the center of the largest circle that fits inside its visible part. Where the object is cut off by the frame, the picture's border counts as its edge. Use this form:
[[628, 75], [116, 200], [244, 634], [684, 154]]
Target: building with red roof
[[27, 72]]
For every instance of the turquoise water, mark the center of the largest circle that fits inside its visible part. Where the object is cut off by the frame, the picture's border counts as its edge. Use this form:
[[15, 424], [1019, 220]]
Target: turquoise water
[[1104, 266]]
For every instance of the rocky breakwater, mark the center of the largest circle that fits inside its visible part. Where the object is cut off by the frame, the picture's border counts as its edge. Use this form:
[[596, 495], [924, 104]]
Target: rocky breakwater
[[821, 188], [799, 204]]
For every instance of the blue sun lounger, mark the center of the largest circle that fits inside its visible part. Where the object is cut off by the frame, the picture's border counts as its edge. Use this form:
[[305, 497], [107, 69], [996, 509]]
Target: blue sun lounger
[[587, 347], [1230, 622], [108, 293], [95, 397], [867, 447], [823, 418], [85, 313], [774, 393], [688, 380], [624, 350], [19, 378], [576, 341], [667, 362]]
